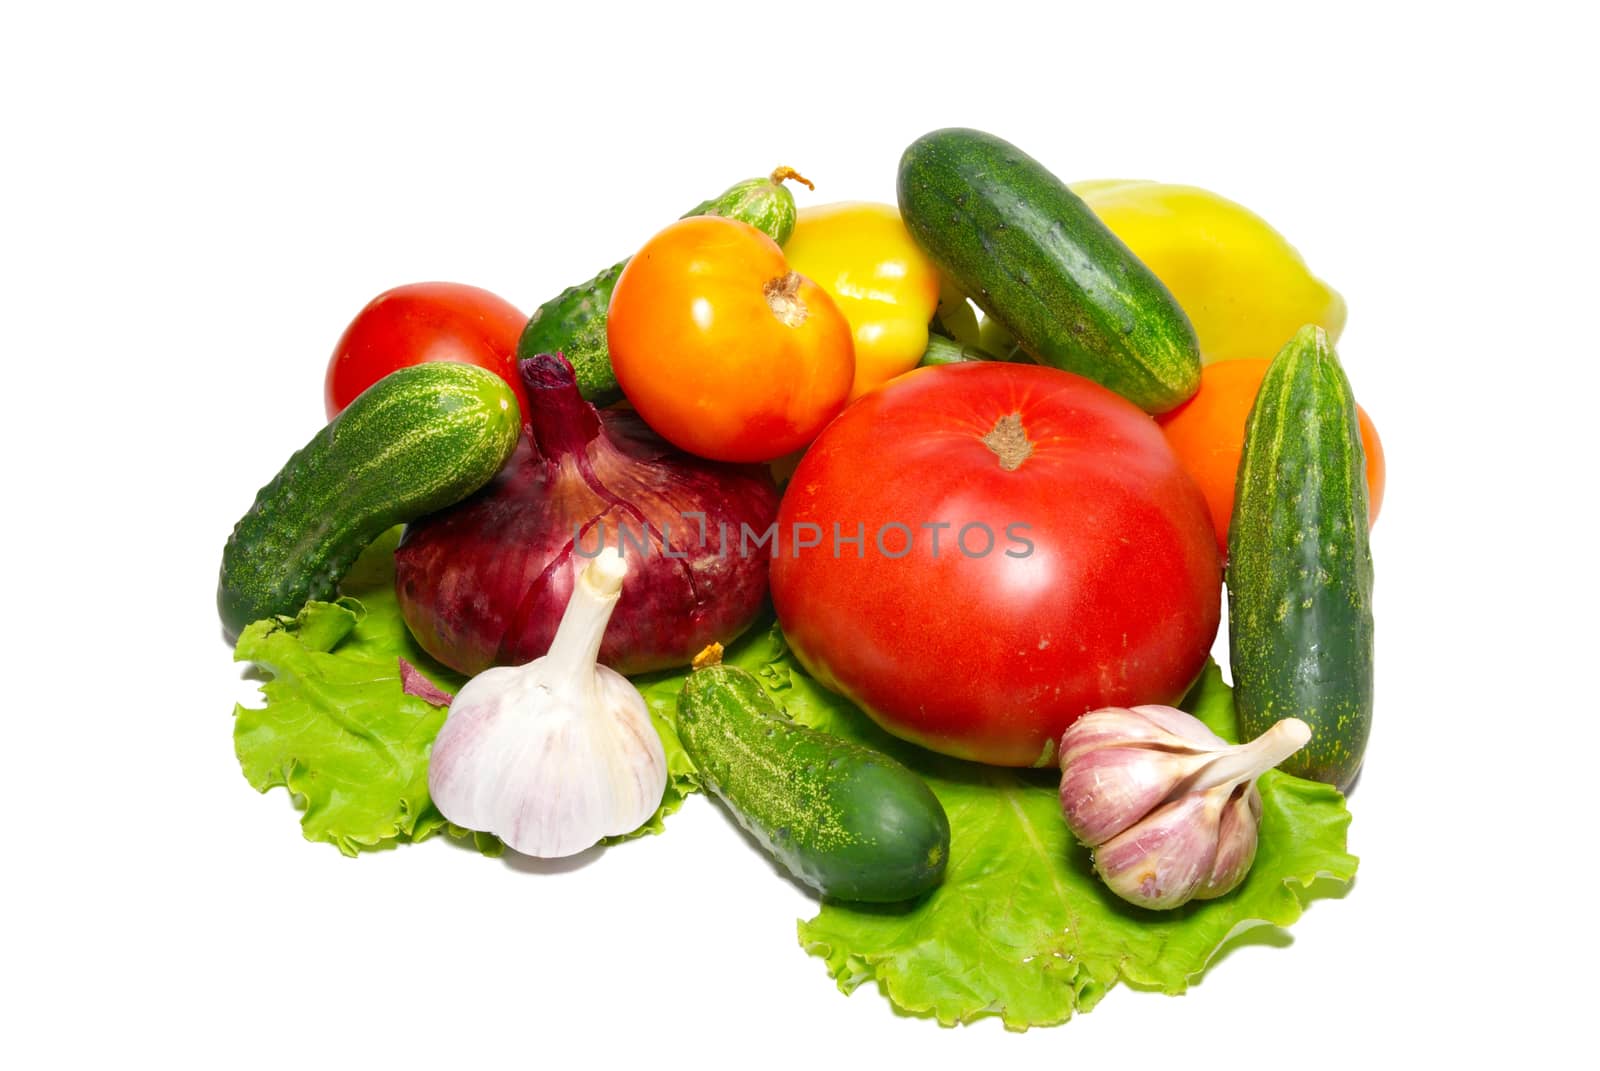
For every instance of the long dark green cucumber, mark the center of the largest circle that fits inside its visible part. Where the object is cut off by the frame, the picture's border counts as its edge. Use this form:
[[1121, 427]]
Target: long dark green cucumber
[[1299, 564], [574, 323], [849, 821], [1038, 260], [418, 440]]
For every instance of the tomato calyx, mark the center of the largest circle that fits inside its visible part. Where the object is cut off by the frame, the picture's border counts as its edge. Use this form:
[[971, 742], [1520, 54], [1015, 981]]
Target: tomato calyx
[[783, 298], [1008, 441]]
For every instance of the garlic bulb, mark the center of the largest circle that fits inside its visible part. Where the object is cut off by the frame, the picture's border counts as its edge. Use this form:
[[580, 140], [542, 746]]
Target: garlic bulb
[[1170, 808], [556, 754]]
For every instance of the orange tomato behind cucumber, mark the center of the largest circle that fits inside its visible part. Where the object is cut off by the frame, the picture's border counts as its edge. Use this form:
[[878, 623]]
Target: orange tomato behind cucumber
[[1207, 434], [722, 349]]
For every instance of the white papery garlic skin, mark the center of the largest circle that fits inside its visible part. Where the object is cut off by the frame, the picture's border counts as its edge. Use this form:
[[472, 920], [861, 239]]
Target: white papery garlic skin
[[553, 756]]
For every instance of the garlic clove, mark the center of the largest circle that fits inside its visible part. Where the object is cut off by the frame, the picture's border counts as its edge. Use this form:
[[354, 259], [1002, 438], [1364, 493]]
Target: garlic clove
[[1140, 726], [1108, 789], [1184, 726], [1161, 861], [1236, 842]]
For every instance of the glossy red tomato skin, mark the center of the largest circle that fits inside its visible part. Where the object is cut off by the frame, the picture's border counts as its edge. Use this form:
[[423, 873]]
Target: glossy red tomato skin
[[991, 657], [424, 322]]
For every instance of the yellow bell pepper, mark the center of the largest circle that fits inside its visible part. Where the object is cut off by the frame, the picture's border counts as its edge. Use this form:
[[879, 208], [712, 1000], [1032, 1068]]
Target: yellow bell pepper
[[887, 288], [1245, 288]]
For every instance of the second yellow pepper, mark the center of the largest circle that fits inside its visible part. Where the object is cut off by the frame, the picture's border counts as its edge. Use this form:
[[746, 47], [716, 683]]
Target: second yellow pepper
[[887, 288], [1244, 287]]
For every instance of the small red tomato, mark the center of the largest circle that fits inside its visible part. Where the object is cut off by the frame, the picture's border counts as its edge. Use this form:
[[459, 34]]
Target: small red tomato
[[425, 322]]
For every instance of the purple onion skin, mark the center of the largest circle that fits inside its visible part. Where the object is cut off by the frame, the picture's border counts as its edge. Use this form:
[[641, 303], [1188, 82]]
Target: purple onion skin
[[484, 583]]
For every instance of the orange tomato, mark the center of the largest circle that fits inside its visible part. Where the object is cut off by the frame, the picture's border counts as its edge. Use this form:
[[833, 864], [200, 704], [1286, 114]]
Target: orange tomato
[[1207, 434], [722, 349]]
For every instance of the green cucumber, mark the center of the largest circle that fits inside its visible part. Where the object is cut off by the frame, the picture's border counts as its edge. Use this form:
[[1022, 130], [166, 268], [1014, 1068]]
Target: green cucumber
[[1036, 258], [849, 821], [574, 323], [1299, 564], [416, 441]]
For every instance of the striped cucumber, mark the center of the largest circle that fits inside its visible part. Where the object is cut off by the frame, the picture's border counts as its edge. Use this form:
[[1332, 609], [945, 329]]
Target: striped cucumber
[[419, 439], [1037, 259], [848, 821], [1299, 565], [573, 324]]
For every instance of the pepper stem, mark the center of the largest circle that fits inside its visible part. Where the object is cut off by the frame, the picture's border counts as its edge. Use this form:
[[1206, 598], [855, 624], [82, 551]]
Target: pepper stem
[[558, 418], [779, 174], [1249, 761], [576, 648]]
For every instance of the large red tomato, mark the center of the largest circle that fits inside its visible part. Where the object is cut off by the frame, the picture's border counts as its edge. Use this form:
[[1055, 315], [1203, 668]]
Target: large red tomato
[[425, 322], [1075, 567]]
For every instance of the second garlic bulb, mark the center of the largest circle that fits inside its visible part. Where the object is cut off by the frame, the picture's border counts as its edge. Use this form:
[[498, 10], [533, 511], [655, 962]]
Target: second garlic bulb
[[1170, 809]]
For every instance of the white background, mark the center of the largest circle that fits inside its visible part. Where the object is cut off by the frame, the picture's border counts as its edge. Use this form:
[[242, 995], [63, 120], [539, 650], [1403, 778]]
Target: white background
[[195, 201]]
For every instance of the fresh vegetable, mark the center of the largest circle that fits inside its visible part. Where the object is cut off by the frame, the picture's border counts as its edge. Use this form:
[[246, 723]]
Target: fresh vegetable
[[860, 253], [1243, 286], [484, 583], [1170, 808], [849, 821], [725, 351], [1033, 256], [1066, 938], [994, 549], [418, 324], [1299, 565], [418, 440], [362, 788], [553, 756], [1207, 434], [573, 324]]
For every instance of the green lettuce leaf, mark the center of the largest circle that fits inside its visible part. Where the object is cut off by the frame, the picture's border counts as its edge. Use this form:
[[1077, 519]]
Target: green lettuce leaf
[[1021, 927], [339, 733]]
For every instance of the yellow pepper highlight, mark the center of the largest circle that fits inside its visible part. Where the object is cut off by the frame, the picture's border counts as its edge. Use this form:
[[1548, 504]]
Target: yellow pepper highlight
[[1244, 287], [887, 288]]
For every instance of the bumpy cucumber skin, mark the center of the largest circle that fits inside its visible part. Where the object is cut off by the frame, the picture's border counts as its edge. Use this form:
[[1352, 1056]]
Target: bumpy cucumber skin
[[1038, 260], [420, 439], [850, 822], [764, 203], [574, 324], [1299, 564]]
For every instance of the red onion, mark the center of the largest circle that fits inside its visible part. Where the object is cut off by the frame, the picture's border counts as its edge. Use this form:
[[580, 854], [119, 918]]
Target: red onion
[[484, 582]]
